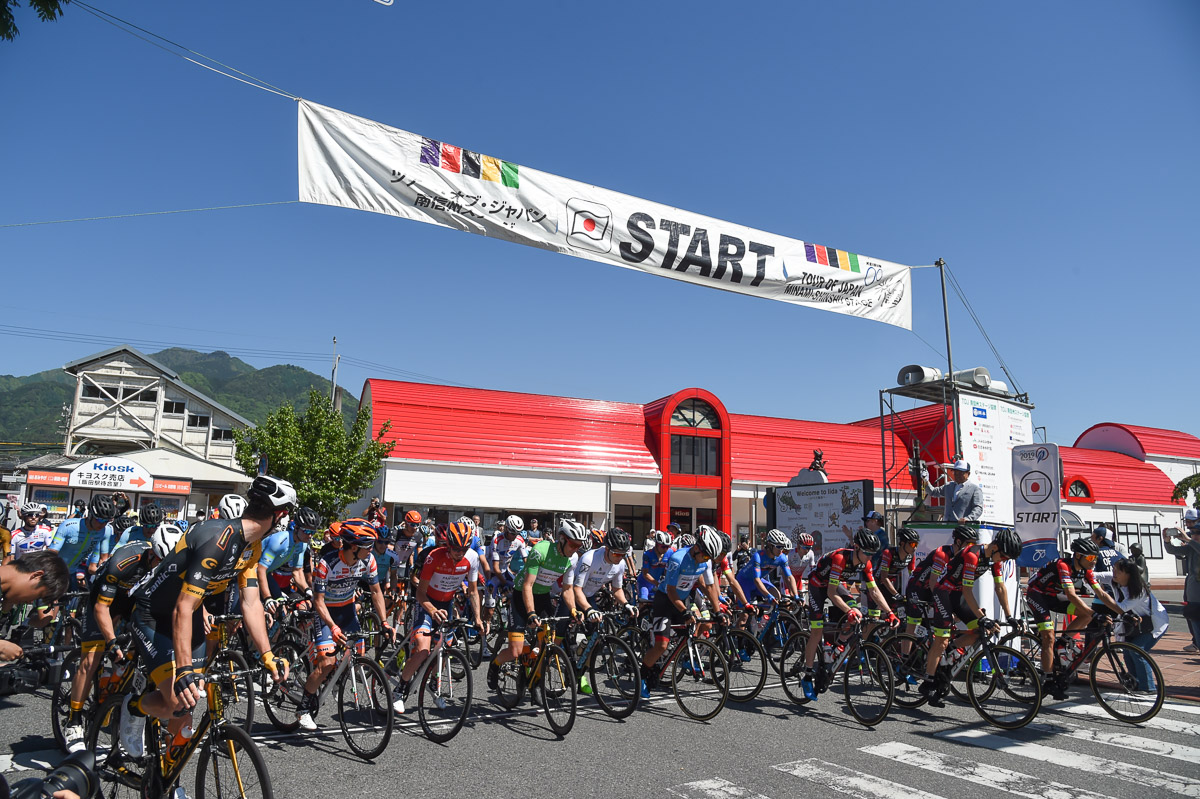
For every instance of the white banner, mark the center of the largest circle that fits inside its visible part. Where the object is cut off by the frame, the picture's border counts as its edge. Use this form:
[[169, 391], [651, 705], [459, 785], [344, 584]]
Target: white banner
[[111, 474], [352, 162], [990, 428], [1037, 500], [830, 512]]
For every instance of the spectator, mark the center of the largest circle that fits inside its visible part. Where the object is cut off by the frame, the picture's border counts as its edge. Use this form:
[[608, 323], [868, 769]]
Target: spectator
[[1109, 555], [873, 523], [1139, 559], [376, 514], [1188, 550], [963, 499], [743, 553], [1133, 595], [1102, 534], [532, 530]]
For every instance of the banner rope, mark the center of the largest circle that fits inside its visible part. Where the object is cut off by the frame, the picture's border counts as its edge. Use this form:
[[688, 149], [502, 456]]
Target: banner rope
[[148, 213]]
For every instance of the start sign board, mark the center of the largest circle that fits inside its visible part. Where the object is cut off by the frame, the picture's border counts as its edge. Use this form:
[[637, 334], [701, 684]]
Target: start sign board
[[112, 474]]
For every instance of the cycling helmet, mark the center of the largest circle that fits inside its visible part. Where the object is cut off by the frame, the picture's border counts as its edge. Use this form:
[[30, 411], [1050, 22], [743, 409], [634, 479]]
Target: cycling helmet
[[385, 535], [965, 532], [597, 537], [866, 541], [272, 491], [617, 540], [30, 508], [708, 542], [1084, 546], [806, 540], [469, 522], [572, 531], [907, 535], [726, 542], [182, 524], [662, 537], [513, 524], [306, 519], [231, 506], [459, 535], [687, 540], [150, 515], [358, 531], [776, 538], [165, 538], [413, 517], [102, 508], [123, 523], [439, 534], [1009, 542]]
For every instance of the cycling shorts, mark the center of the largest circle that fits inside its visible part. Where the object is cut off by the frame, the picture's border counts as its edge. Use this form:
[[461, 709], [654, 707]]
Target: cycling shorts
[[155, 642], [344, 617], [1041, 606], [423, 622], [91, 639], [664, 615], [948, 606]]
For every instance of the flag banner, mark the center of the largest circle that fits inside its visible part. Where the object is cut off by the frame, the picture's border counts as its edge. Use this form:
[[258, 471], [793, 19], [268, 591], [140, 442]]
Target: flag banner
[[352, 162], [1037, 500]]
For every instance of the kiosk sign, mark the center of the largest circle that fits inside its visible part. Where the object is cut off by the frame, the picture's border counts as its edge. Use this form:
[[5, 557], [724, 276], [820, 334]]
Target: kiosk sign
[[112, 474]]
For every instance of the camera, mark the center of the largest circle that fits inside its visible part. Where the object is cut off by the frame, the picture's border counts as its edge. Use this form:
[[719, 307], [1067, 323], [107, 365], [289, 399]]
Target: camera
[[73, 774], [34, 668]]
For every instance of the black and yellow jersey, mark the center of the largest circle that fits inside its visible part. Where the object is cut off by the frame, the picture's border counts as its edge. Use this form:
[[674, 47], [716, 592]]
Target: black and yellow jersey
[[210, 556]]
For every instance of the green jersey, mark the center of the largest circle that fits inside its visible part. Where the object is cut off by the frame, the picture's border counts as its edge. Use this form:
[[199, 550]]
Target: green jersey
[[548, 566]]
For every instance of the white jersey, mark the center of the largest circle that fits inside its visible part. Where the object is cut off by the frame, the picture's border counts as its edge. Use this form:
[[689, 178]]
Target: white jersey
[[501, 550], [594, 571], [35, 540], [801, 565]]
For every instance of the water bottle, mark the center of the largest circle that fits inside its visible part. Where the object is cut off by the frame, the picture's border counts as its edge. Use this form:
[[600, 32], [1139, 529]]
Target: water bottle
[[1071, 647], [827, 651]]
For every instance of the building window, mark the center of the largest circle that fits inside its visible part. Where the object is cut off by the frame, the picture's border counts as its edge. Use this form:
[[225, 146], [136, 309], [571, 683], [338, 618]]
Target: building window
[[196, 420], [148, 395], [1079, 489], [92, 391], [1148, 535], [694, 455], [635, 520], [171, 406], [222, 434], [696, 413]]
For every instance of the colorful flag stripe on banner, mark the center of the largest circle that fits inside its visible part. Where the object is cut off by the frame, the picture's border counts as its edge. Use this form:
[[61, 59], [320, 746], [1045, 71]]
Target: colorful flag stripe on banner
[[828, 256], [464, 162]]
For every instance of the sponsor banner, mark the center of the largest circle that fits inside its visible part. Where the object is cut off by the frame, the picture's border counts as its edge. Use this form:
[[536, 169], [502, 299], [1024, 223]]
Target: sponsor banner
[[112, 474], [990, 428], [172, 486], [352, 162], [1037, 500], [42, 477]]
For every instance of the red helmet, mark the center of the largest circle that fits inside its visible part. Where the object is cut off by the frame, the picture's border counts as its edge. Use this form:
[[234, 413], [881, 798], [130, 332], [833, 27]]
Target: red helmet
[[459, 535], [805, 540], [413, 517]]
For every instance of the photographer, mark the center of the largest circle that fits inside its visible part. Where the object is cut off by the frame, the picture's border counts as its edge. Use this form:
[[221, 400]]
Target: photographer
[[74, 778], [36, 576]]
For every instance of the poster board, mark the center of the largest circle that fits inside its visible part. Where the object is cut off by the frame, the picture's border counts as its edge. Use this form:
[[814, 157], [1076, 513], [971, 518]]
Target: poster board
[[989, 428], [830, 512]]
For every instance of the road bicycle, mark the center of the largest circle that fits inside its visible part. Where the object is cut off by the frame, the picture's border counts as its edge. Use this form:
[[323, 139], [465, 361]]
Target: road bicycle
[[612, 668], [868, 685], [112, 677], [746, 660], [444, 684], [546, 671], [774, 625], [227, 667], [699, 673]]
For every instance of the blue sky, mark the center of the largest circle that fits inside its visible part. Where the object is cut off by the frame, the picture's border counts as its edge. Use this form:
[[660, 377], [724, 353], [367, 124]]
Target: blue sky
[[1047, 151]]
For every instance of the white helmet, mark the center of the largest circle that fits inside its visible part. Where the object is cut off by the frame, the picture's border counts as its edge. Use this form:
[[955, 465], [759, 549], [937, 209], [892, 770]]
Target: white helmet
[[231, 506], [777, 538], [662, 537], [514, 524], [165, 538], [572, 531], [708, 541], [470, 523], [30, 507]]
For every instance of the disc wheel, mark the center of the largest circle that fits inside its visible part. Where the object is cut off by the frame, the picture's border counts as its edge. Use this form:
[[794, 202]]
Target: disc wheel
[[747, 663], [1127, 682], [281, 700], [559, 690], [699, 679], [616, 676], [1005, 689], [231, 767], [868, 683], [365, 708]]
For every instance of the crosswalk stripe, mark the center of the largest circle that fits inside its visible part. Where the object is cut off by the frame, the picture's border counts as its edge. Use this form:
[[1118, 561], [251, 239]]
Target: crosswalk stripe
[[1177, 707], [1003, 779], [714, 789], [1148, 746], [1128, 772], [849, 781], [1157, 723], [24, 761]]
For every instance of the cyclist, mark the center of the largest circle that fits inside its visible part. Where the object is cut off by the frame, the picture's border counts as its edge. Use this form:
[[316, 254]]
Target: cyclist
[[335, 581], [34, 534], [282, 563], [654, 565], [828, 575], [39, 577], [598, 567], [167, 622], [109, 601], [755, 582], [148, 519], [1056, 589], [408, 539], [540, 592], [5, 534], [896, 567], [505, 543], [75, 539], [231, 506], [802, 560], [443, 573], [954, 598], [723, 567]]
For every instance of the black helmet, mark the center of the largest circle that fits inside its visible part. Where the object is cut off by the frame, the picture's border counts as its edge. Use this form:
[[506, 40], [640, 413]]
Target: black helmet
[[726, 542], [123, 523], [1009, 542], [866, 541], [307, 519], [617, 540], [102, 507], [965, 532], [1084, 546], [907, 535], [150, 515]]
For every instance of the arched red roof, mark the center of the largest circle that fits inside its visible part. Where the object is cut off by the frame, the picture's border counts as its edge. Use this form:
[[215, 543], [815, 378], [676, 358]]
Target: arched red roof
[[1116, 477], [1140, 442]]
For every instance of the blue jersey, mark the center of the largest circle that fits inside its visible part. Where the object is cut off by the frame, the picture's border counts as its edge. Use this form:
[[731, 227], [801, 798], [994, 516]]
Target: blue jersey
[[282, 551], [760, 567], [683, 573], [128, 536], [75, 541], [654, 565]]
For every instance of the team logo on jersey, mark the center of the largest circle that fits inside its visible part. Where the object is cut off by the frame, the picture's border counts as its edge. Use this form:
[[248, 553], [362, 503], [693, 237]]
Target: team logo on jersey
[[223, 541], [209, 563]]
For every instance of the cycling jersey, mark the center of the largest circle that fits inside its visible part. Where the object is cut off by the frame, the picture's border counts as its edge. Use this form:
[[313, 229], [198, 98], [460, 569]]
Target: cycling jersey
[[894, 566], [209, 556], [75, 539], [405, 548], [594, 571], [683, 573], [962, 570], [119, 573], [338, 580], [758, 569], [502, 550], [1052, 578], [443, 575], [5, 542], [548, 566], [135, 533], [802, 564], [386, 562], [921, 575], [654, 565], [829, 569], [282, 550]]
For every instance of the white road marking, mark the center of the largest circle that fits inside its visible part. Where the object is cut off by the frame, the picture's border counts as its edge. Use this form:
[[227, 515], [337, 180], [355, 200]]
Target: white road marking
[[1003, 779], [40, 759], [1157, 723], [1178, 707], [714, 789], [1148, 746], [1129, 772], [849, 781]]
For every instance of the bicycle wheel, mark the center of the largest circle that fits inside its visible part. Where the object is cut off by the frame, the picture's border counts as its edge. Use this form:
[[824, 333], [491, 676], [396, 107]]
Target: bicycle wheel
[[868, 683], [791, 666], [777, 634], [231, 767], [377, 643], [559, 689], [637, 638], [365, 708], [1005, 690], [699, 679], [1027, 644], [444, 696], [616, 677], [1127, 682], [472, 645], [747, 664], [230, 674], [281, 700], [60, 700], [907, 654], [120, 776]]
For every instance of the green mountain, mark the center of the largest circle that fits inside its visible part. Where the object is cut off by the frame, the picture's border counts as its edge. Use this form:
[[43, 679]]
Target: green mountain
[[31, 406]]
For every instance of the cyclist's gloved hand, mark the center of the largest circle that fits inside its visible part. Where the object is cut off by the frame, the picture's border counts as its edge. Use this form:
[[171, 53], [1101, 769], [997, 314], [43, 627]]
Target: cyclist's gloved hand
[[897, 599], [532, 620], [854, 616], [891, 619], [631, 609], [308, 593], [336, 633], [592, 616], [188, 685], [988, 625], [277, 666]]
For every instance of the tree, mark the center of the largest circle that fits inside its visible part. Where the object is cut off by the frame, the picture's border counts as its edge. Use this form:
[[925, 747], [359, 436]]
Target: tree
[[1185, 485], [47, 10], [329, 466]]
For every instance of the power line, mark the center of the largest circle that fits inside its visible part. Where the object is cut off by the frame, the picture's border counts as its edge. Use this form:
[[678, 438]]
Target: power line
[[962, 296], [148, 213]]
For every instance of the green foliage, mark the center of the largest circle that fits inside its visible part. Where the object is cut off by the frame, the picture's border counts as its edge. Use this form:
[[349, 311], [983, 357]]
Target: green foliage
[[198, 382], [329, 466], [46, 10], [218, 367], [33, 412], [1185, 485]]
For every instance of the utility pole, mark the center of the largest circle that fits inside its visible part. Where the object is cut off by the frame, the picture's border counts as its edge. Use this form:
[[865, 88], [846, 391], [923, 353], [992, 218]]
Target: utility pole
[[336, 358]]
